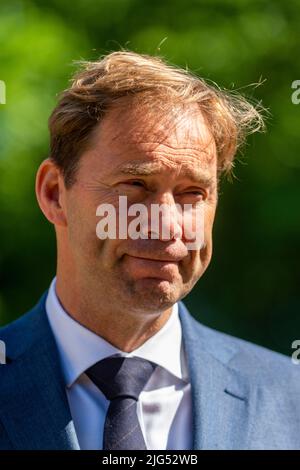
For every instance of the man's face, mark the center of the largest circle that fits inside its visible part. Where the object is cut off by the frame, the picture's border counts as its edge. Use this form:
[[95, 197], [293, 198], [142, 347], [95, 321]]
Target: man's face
[[150, 162]]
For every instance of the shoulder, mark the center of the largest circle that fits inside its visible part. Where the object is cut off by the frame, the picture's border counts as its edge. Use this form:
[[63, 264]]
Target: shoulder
[[259, 364], [22, 333]]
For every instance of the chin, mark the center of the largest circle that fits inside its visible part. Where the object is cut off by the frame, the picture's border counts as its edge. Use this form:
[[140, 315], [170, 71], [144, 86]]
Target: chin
[[151, 294]]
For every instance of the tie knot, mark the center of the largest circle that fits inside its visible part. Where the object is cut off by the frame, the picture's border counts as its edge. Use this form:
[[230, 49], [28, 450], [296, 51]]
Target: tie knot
[[120, 377]]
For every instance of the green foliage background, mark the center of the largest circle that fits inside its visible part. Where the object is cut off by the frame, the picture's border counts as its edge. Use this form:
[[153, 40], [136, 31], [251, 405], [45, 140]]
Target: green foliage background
[[251, 288]]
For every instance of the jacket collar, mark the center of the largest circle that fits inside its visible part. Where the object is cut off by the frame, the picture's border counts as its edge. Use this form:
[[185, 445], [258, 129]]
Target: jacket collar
[[222, 398]]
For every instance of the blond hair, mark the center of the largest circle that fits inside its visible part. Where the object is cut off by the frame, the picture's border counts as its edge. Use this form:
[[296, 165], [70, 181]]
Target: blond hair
[[101, 84]]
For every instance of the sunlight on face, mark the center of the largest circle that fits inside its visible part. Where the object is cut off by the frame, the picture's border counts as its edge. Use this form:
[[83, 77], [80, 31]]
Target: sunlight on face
[[169, 161]]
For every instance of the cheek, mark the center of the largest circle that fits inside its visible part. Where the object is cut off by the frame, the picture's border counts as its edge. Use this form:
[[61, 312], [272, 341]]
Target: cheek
[[81, 236], [209, 217], [81, 228], [196, 266], [200, 259], [206, 251]]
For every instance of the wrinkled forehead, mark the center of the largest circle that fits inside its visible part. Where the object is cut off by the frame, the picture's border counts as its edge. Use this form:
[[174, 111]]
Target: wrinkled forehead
[[149, 126]]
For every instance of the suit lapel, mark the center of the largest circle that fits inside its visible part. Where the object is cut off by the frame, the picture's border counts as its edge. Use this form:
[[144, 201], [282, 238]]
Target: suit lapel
[[35, 401], [222, 399]]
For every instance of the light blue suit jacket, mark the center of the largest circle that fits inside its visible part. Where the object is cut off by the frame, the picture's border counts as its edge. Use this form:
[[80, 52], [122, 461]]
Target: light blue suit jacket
[[244, 396]]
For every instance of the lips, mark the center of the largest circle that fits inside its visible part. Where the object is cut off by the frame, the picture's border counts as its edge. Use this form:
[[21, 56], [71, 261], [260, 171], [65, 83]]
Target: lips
[[144, 267], [154, 250], [155, 257]]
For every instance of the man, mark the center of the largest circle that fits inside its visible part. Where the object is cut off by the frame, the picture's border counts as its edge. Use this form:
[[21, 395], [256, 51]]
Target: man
[[110, 358]]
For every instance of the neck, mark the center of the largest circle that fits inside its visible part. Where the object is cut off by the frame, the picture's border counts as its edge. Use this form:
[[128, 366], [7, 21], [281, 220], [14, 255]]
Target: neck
[[123, 328]]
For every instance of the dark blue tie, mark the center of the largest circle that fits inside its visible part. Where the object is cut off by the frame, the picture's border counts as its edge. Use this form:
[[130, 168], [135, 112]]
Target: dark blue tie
[[121, 380]]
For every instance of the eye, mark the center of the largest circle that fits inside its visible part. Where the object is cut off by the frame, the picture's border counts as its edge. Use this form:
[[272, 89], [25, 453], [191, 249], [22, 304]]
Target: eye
[[194, 193], [137, 183]]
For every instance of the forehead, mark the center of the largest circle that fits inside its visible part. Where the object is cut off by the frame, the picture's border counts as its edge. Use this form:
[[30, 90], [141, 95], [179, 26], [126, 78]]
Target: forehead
[[147, 140]]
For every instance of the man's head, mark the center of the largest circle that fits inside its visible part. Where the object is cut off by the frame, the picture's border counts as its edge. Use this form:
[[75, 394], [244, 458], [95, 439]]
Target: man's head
[[133, 126]]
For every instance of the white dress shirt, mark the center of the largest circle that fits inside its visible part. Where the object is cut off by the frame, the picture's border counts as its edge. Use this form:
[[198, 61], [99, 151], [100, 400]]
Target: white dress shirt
[[164, 407]]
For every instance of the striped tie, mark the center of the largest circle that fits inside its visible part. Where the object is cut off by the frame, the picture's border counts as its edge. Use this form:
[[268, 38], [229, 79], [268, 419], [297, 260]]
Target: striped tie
[[121, 380]]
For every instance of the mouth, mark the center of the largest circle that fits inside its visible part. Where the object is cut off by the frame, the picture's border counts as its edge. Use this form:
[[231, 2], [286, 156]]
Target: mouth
[[151, 268], [159, 260]]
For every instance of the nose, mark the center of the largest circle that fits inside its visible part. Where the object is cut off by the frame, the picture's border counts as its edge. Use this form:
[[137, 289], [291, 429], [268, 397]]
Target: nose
[[164, 220]]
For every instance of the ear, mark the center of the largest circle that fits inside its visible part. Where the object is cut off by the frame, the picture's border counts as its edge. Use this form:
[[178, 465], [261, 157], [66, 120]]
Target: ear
[[50, 190]]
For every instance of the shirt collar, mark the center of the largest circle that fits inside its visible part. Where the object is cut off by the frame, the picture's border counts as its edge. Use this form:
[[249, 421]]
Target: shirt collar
[[80, 348]]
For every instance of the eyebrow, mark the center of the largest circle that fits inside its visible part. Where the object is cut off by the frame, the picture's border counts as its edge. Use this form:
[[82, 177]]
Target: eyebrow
[[197, 175]]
